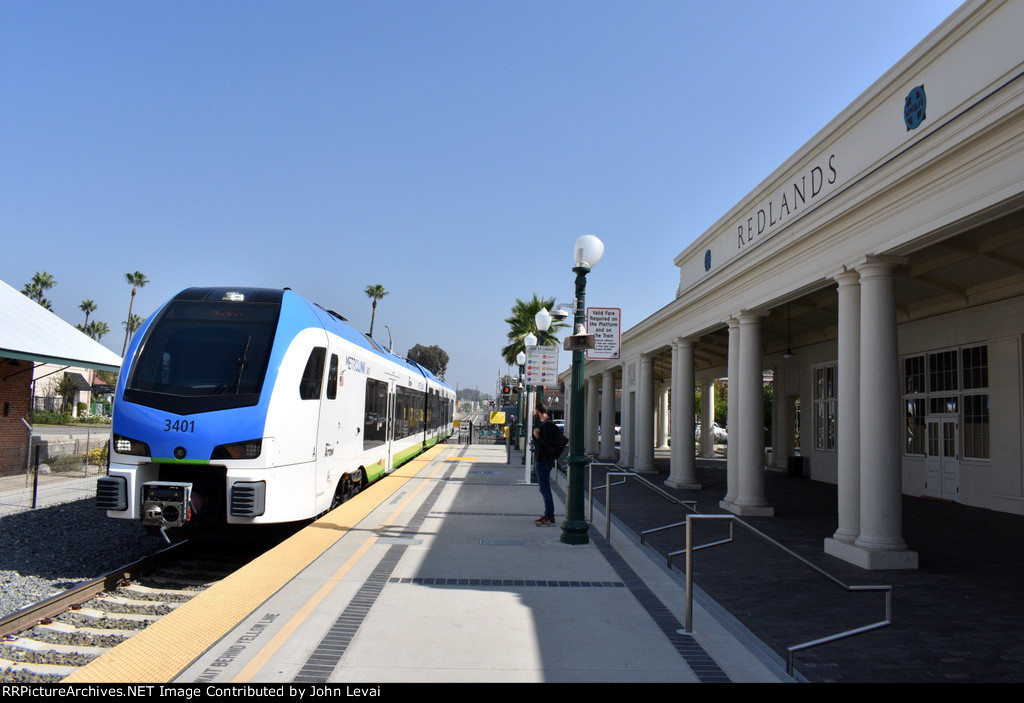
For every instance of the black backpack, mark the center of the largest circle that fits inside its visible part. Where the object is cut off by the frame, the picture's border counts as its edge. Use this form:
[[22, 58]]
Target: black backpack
[[561, 441]]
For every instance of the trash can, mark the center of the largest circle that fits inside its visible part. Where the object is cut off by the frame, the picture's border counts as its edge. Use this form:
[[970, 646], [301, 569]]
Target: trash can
[[796, 466]]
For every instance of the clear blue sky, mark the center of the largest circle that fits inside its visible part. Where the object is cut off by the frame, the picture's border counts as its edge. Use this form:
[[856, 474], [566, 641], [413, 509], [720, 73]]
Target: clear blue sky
[[451, 151]]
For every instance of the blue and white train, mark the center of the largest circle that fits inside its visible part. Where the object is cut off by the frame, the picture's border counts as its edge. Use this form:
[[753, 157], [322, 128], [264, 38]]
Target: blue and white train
[[248, 406]]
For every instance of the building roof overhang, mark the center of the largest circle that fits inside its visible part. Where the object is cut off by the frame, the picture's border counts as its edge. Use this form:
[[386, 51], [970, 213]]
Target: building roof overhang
[[30, 332]]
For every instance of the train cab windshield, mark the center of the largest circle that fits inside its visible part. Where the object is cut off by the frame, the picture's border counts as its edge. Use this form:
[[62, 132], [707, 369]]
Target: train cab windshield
[[204, 355]]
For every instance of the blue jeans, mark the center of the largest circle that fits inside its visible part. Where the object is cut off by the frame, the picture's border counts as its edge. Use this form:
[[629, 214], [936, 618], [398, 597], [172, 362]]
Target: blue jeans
[[544, 483]]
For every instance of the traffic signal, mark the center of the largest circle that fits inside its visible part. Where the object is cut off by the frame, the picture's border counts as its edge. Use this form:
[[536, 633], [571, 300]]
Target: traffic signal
[[506, 390]]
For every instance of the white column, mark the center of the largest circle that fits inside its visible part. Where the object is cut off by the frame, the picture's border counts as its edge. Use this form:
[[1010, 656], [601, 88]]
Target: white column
[[707, 420], [881, 480], [733, 421], [683, 471], [645, 416], [848, 410], [662, 417], [590, 438], [608, 416], [627, 425], [750, 498]]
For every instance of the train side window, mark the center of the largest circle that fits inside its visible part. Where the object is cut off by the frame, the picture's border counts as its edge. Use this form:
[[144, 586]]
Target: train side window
[[332, 378], [313, 375], [375, 414]]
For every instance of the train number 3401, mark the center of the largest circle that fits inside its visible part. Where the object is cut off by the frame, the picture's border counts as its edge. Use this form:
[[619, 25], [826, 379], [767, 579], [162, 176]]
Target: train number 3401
[[179, 426]]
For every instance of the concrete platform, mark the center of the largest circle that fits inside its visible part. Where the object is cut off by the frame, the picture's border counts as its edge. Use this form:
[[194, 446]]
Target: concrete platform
[[438, 574]]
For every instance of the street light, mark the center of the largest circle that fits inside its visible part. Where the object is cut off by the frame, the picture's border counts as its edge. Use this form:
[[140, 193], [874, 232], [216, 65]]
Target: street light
[[521, 362], [530, 340], [543, 320], [587, 252]]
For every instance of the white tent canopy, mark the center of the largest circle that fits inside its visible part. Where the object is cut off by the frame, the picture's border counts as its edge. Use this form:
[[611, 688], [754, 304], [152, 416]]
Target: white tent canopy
[[31, 332]]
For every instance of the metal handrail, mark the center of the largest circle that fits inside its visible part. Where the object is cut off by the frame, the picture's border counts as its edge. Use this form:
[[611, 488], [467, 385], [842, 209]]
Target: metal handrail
[[688, 504], [792, 650], [733, 520]]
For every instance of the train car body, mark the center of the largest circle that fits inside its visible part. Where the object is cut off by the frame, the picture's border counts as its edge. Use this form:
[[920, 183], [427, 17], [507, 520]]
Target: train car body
[[247, 406]]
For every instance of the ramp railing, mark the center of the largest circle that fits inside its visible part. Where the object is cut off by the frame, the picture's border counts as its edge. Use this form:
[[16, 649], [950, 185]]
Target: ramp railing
[[689, 523]]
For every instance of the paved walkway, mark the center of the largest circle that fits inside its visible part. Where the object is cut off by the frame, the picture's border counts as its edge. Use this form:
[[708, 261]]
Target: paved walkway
[[439, 574], [957, 618], [21, 492]]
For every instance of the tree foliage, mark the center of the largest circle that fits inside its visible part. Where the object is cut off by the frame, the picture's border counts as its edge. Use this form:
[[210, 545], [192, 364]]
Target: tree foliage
[[522, 322], [138, 280], [374, 292], [432, 358], [40, 283]]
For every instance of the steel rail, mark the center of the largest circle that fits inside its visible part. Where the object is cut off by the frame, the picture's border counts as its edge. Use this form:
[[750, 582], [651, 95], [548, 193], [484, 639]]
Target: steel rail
[[32, 615]]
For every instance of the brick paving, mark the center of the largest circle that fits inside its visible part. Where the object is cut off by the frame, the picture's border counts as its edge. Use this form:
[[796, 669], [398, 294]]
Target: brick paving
[[957, 618]]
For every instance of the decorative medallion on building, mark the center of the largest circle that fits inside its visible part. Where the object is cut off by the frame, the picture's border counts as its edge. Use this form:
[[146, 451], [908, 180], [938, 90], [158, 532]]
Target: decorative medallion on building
[[914, 108], [707, 260]]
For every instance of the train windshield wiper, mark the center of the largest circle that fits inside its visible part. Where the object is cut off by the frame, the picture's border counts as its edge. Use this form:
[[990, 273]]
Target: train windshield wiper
[[242, 365]]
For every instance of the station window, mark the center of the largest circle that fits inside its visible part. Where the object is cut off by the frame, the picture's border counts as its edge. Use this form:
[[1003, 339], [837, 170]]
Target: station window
[[976, 426], [915, 426], [825, 408], [948, 382]]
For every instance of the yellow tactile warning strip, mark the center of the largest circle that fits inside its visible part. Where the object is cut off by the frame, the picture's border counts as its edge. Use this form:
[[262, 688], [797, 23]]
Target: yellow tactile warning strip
[[161, 651], [278, 640]]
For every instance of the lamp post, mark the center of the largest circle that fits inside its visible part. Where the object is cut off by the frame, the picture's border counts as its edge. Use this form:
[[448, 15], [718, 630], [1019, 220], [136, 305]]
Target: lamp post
[[521, 361], [587, 252], [528, 341]]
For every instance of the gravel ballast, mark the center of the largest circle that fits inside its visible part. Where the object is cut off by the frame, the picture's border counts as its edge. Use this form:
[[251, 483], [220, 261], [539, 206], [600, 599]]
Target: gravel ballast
[[48, 550]]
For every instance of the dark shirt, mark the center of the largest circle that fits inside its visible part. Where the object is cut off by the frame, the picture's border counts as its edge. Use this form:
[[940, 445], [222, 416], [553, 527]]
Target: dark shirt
[[548, 448]]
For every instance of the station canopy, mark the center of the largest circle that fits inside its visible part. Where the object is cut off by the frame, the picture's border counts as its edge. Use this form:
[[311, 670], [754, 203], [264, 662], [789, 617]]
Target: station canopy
[[30, 332]]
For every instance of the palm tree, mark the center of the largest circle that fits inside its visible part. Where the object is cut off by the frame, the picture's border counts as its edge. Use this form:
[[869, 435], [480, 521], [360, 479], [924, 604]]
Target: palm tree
[[522, 322], [376, 293], [138, 280], [87, 307], [41, 282], [132, 324], [97, 329]]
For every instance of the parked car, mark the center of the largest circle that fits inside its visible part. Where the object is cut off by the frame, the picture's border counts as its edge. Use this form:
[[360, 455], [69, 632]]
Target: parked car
[[720, 435]]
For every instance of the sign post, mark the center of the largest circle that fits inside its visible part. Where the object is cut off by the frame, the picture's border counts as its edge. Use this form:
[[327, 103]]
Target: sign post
[[541, 369]]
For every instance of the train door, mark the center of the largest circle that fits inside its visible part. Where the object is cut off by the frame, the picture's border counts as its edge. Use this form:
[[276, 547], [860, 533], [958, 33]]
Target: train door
[[329, 454], [391, 425], [376, 447]]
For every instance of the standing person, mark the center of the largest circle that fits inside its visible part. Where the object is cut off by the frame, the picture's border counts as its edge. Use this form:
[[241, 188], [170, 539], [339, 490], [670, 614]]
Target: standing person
[[548, 440]]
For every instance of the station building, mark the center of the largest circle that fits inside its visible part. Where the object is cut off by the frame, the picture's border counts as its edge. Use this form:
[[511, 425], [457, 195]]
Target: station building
[[877, 279], [35, 344]]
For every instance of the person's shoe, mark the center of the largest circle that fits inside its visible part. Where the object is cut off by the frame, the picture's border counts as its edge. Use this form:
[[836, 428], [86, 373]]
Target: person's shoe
[[544, 521]]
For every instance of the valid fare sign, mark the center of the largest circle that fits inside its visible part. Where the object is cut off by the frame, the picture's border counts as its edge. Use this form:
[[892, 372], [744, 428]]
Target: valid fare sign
[[604, 324]]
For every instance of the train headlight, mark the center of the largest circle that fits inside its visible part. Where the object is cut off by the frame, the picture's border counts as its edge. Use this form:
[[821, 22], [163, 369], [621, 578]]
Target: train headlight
[[127, 445], [249, 449]]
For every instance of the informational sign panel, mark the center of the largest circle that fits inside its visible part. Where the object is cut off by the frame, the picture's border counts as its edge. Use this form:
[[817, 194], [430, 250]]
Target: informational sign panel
[[605, 325], [541, 366], [497, 417]]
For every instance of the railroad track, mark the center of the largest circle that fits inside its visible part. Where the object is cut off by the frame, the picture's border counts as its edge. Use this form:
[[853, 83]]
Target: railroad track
[[46, 642]]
